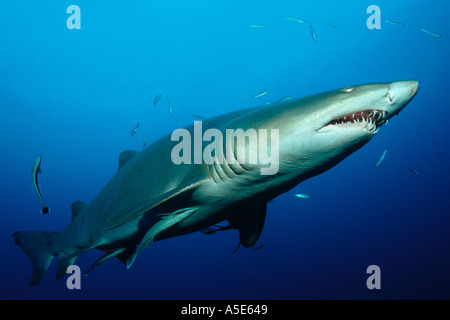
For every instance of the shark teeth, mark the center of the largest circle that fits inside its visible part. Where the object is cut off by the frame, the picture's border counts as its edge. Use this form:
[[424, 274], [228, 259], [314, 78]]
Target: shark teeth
[[370, 120]]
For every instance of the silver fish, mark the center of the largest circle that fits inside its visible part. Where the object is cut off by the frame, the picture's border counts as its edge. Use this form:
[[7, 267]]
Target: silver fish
[[257, 26], [263, 93], [302, 196], [145, 140], [156, 100], [170, 107], [413, 171], [132, 133], [394, 23], [435, 35], [313, 34], [290, 18], [300, 20], [380, 160], [328, 22], [34, 173], [293, 19]]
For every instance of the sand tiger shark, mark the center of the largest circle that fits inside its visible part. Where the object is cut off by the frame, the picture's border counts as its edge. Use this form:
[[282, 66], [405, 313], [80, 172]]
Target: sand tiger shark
[[151, 198]]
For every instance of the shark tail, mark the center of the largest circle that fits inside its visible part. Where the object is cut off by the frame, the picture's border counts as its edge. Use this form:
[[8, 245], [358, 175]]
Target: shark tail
[[39, 247]]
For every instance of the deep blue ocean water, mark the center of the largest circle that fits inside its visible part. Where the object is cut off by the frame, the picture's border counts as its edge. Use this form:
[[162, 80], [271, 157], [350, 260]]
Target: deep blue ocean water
[[73, 96]]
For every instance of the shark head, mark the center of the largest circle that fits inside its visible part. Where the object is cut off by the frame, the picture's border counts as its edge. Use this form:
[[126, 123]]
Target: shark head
[[319, 131], [359, 111]]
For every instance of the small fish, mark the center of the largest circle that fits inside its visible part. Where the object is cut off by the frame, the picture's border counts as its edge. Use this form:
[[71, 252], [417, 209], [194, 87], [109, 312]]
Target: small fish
[[34, 173], [313, 34], [198, 117], [261, 94], [145, 140], [300, 20], [290, 18], [380, 160], [435, 35], [170, 107], [413, 171], [394, 23], [132, 133], [328, 22], [283, 100], [156, 100], [302, 196], [293, 19], [257, 26]]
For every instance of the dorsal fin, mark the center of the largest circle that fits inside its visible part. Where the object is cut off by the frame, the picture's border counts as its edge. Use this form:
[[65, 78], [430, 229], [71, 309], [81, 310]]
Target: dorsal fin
[[77, 206], [250, 222], [126, 156]]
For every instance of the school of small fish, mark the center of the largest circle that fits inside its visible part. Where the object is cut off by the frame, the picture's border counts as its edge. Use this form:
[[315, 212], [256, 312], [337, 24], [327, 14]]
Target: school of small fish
[[332, 25], [311, 29], [428, 32]]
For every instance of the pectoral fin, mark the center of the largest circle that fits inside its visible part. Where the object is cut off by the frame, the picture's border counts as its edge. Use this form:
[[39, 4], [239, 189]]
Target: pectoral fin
[[167, 221], [250, 222]]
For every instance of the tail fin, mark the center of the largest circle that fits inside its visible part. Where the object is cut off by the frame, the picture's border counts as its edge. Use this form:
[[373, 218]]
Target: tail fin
[[38, 247]]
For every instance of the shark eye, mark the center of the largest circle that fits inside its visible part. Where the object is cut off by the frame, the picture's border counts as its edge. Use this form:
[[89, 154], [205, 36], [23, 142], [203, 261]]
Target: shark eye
[[347, 90]]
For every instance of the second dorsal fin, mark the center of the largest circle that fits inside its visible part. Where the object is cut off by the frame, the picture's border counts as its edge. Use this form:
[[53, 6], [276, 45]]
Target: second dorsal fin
[[126, 156]]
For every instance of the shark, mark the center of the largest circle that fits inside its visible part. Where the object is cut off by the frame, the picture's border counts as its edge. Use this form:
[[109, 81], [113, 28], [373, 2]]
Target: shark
[[151, 198]]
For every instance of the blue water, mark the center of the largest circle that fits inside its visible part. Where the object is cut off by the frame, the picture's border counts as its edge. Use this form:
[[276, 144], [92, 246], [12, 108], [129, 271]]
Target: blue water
[[74, 96]]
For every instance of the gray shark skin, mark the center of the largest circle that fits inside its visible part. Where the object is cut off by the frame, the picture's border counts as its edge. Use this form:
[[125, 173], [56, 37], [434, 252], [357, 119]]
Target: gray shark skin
[[150, 198]]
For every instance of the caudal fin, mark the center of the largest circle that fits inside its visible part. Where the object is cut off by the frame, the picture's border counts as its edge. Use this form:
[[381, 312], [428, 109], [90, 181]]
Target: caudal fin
[[38, 246]]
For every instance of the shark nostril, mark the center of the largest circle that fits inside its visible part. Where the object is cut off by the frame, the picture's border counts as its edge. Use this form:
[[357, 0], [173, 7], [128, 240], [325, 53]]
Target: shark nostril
[[389, 97]]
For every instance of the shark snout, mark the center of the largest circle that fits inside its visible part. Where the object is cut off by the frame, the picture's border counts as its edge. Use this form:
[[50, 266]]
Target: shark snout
[[401, 93]]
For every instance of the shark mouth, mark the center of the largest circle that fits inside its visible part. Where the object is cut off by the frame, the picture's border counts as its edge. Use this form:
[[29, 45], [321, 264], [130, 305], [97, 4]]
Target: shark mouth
[[371, 120]]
